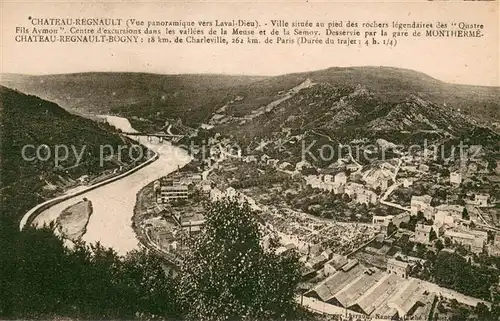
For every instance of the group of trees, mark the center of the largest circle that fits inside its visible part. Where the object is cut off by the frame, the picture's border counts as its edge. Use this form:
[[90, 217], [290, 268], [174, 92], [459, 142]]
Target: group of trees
[[414, 220], [327, 204], [41, 278], [263, 180], [227, 274], [454, 271]]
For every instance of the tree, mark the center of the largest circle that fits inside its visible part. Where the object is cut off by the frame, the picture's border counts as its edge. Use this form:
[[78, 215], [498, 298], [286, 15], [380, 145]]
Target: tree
[[420, 250], [447, 242], [439, 245], [465, 214], [462, 314], [228, 275], [440, 307], [495, 310], [432, 235], [482, 312], [430, 256]]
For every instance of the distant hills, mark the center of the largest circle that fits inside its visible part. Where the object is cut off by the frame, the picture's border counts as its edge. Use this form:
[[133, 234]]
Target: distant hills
[[194, 98], [30, 121], [338, 105], [345, 111], [188, 97], [391, 85]]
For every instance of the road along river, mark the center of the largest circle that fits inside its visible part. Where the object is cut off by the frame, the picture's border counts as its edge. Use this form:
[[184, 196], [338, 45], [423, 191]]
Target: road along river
[[113, 204]]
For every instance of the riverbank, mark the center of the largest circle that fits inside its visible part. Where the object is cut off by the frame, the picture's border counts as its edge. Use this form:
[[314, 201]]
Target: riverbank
[[32, 214], [113, 200], [163, 227], [144, 197]]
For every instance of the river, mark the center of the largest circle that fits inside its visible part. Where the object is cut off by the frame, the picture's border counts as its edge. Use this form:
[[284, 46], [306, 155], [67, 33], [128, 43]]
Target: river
[[113, 204]]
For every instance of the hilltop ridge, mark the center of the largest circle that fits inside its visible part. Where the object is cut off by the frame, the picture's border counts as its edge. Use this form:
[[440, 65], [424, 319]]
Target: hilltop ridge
[[195, 98], [30, 125]]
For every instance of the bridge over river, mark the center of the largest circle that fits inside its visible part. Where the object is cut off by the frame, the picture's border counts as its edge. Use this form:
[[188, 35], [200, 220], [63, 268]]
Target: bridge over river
[[113, 204]]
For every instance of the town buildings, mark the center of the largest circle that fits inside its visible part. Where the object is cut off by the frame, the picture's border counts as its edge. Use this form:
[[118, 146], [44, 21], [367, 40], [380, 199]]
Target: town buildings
[[351, 167], [455, 211], [335, 264], [174, 192], [422, 204], [494, 249], [372, 292], [378, 178], [318, 261], [384, 221], [397, 267], [407, 183], [423, 168], [474, 240], [167, 190], [481, 200], [455, 178], [365, 197], [360, 194], [442, 218], [422, 233]]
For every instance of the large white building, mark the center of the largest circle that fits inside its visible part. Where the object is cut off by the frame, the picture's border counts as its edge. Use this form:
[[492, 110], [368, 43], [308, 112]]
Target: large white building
[[445, 211], [172, 192], [442, 218], [481, 200], [384, 221], [360, 194], [422, 204]]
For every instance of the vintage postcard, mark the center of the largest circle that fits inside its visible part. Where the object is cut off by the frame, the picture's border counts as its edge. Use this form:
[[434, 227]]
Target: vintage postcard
[[250, 161]]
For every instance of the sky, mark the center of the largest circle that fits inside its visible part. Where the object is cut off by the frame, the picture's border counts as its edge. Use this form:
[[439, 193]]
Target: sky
[[459, 60]]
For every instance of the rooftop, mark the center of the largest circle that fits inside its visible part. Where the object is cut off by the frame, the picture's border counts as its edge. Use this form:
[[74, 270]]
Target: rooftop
[[423, 198], [350, 264], [406, 298], [479, 233], [386, 311], [484, 196], [355, 289], [377, 294], [378, 174], [397, 263], [338, 261], [450, 207], [175, 188], [422, 312], [329, 287], [461, 235], [423, 228]]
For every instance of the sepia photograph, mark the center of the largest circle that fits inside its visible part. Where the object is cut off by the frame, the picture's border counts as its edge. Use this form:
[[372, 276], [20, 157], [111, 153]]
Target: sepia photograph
[[250, 161]]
